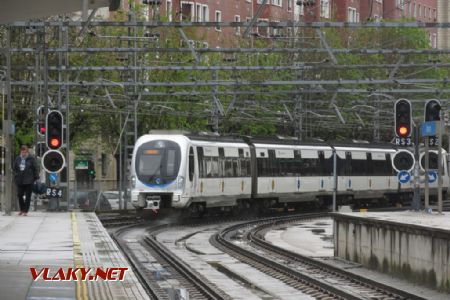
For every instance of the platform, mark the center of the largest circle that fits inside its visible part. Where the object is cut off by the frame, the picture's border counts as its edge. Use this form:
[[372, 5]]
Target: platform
[[410, 245], [60, 240]]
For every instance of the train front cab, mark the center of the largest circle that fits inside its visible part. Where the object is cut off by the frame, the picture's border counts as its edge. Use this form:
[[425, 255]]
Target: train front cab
[[159, 172]]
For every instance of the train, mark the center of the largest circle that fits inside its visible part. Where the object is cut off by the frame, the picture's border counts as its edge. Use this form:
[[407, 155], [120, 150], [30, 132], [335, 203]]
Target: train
[[198, 172]]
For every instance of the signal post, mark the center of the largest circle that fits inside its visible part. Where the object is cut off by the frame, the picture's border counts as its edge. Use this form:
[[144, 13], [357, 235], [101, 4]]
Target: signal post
[[431, 127], [404, 160], [53, 161]]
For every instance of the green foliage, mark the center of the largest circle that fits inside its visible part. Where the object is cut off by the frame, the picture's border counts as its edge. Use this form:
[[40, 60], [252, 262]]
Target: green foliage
[[99, 112]]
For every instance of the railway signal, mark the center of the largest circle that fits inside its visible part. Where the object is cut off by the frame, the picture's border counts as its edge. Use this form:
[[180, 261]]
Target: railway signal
[[40, 149], [54, 132], [53, 161], [432, 160], [432, 113], [403, 122], [41, 117], [403, 160]]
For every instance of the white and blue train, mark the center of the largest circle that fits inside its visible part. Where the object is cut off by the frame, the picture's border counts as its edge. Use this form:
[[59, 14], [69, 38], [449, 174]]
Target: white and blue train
[[198, 172]]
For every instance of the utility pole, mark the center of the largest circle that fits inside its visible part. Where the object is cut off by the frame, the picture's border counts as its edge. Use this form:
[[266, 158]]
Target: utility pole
[[416, 197], [8, 130]]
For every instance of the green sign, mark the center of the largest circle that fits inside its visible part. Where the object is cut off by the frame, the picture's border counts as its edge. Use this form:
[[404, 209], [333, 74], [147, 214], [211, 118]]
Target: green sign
[[81, 164]]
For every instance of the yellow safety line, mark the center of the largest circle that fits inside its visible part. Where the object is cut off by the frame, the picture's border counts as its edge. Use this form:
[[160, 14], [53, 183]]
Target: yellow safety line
[[81, 292]]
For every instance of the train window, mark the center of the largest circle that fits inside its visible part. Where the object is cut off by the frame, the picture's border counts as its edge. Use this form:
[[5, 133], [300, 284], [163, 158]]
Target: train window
[[215, 170], [327, 164], [150, 165], [171, 163], [235, 167], [370, 165], [389, 169], [201, 169], [241, 152], [348, 164], [228, 167], [263, 168], [378, 164], [358, 165], [273, 164], [191, 164]]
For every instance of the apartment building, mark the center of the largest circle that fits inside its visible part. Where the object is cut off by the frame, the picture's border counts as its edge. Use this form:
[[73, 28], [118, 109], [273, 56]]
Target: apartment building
[[443, 15], [297, 10]]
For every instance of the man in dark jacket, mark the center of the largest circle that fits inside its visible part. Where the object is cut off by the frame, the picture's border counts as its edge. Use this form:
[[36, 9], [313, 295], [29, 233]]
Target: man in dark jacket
[[26, 173]]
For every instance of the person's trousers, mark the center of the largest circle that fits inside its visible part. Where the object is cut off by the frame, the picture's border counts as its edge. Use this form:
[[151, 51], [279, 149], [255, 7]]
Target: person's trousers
[[24, 189]]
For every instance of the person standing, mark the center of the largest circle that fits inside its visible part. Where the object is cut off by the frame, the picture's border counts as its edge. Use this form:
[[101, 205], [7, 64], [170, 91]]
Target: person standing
[[26, 173]]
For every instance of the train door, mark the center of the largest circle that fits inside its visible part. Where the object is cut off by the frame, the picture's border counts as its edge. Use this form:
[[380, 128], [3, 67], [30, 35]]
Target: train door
[[274, 172], [326, 176], [209, 177], [192, 173], [310, 180], [232, 181], [344, 168], [378, 171], [264, 178], [358, 180]]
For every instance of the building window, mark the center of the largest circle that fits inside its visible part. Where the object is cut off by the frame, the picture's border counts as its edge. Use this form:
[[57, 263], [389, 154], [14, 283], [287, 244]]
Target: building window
[[414, 10], [325, 9], [289, 5], [434, 45], [218, 19], [400, 4], [187, 11], [420, 11], [205, 13], [353, 16], [277, 2], [169, 10], [237, 28], [198, 12]]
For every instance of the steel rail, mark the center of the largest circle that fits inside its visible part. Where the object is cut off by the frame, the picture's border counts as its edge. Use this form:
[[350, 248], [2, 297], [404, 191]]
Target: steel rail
[[198, 281], [152, 290], [224, 242], [256, 236]]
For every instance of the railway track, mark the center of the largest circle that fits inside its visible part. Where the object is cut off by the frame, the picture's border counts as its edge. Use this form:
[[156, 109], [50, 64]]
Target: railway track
[[195, 284], [317, 279]]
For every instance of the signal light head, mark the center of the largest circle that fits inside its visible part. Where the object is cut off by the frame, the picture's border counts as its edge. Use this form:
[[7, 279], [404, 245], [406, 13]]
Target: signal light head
[[403, 131], [55, 143], [403, 122], [54, 129]]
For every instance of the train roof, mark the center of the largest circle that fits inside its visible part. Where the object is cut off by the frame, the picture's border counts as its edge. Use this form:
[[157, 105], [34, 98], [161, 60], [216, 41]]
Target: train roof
[[275, 140]]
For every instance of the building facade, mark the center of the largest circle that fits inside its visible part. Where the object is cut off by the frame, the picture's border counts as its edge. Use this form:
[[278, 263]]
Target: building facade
[[297, 10], [443, 15]]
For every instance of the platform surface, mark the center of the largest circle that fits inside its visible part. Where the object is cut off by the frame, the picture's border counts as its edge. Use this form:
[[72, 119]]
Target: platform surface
[[431, 221], [60, 240]]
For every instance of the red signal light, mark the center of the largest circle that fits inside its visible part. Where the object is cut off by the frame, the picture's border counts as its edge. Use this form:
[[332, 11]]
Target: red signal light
[[55, 143], [403, 131], [42, 130]]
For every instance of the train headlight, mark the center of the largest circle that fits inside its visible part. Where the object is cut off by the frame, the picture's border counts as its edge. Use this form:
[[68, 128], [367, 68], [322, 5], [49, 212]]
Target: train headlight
[[180, 182], [133, 181]]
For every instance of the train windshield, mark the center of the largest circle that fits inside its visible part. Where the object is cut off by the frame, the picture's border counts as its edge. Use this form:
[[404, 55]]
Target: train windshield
[[158, 162]]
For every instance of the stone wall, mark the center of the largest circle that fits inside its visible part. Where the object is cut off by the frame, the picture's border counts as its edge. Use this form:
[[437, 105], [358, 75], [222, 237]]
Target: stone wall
[[415, 253]]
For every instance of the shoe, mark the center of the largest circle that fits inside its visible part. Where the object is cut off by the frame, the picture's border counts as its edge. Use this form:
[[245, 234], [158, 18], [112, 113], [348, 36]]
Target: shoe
[[21, 213], [24, 214]]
